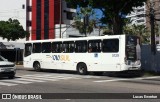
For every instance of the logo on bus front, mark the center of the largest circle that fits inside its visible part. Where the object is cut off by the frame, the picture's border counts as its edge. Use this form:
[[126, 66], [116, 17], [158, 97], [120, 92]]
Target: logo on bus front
[[61, 57]]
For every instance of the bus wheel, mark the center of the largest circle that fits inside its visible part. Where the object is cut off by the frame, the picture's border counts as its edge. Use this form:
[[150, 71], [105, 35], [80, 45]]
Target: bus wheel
[[82, 69], [37, 66]]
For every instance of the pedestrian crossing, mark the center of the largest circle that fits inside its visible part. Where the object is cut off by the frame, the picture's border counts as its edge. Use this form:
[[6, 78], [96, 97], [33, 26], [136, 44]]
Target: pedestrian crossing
[[40, 78]]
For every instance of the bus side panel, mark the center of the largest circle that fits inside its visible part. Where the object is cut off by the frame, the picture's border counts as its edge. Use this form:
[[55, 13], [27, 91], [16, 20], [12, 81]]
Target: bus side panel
[[68, 61], [27, 62], [122, 52], [105, 62], [36, 57], [61, 61]]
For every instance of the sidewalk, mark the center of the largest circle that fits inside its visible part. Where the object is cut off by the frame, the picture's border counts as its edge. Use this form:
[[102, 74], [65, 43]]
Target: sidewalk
[[21, 67]]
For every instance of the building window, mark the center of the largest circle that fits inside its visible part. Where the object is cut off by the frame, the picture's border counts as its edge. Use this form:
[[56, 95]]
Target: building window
[[70, 15], [29, 8], [141, 15], [69, 5], [23, 6], [140, 21], [140, 10], [29, 23]]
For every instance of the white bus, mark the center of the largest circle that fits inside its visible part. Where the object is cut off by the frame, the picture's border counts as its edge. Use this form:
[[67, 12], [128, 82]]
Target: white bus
[[86, 54]]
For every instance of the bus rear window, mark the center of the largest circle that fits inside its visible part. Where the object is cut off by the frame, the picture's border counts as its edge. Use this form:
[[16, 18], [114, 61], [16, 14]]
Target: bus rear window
[[132, 42]]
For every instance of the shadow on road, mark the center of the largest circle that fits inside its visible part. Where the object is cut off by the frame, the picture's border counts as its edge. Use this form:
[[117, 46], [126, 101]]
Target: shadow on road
[[125, 74]]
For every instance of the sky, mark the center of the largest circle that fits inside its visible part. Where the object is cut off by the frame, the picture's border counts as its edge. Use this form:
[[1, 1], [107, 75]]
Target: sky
[[98, 13], [12, 9]]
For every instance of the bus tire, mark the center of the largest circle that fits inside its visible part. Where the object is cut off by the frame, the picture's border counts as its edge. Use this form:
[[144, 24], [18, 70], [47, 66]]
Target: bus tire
[[82, 68], [37, 66]]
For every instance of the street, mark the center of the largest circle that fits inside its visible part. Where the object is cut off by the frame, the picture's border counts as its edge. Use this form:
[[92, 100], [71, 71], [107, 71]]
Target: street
[[49, 81]]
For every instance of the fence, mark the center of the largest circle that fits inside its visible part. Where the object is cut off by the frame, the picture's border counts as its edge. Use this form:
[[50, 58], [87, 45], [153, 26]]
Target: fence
[[149, 61]]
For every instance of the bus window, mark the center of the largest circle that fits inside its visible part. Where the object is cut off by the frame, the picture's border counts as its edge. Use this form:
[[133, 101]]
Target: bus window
[[46, 47], [111, 45], [57, 47], [68, 47], [37, 48], [81, 46], [94, 46], [28, 49]]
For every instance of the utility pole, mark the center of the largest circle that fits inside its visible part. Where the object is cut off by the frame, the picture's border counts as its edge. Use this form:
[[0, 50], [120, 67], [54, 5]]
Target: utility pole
[[86, 23], [152, 17], [60, 20]]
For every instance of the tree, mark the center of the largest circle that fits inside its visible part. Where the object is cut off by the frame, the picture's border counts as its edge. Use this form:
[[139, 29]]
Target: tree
[[139, 30], [81, 26], [12, 30], [113, 10]]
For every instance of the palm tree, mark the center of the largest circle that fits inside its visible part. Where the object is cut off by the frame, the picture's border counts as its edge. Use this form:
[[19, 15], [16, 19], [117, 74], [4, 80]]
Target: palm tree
[[139, 30], [79, 25]]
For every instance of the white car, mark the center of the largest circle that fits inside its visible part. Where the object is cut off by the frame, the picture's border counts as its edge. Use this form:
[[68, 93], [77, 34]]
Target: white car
[[7, 69]]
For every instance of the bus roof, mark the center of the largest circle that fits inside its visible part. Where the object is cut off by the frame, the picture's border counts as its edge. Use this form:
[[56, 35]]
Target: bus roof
[[79, 38]]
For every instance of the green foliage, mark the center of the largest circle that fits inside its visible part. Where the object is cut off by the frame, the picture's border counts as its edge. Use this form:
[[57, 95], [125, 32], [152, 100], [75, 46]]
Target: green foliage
[[113, 10], [139, 30], [79, 25], [12, 30]]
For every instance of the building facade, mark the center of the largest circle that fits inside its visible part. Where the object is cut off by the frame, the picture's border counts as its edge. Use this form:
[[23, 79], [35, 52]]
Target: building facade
[[138, 17], [44, 15]]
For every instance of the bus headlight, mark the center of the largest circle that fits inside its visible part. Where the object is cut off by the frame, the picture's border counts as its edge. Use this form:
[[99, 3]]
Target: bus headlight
[[138, 62]]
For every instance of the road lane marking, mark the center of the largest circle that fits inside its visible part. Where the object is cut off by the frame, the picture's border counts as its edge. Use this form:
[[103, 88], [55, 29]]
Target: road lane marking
[[53, 75], [124, 79], [17, 81], [7, 84], [38, 78], [111, 80], [50, 77], [32, 80]]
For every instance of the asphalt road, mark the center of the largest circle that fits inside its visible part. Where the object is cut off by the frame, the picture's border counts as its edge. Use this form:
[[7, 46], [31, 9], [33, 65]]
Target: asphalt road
[[69, 85]]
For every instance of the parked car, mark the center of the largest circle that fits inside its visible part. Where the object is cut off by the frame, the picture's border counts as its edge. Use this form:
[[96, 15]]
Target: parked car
[[7, 69]]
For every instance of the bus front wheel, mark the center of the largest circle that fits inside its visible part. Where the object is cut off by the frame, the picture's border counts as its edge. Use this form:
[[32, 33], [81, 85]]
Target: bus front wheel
[[82, 68], [37, 66]]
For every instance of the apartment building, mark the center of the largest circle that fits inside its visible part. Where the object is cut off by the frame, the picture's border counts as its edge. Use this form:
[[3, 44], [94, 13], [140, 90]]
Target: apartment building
[[47, 19], [138, 17]]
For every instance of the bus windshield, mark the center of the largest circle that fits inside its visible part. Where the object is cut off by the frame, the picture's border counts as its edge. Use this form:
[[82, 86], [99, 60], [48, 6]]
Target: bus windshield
[[28, 49], [133, 48]]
